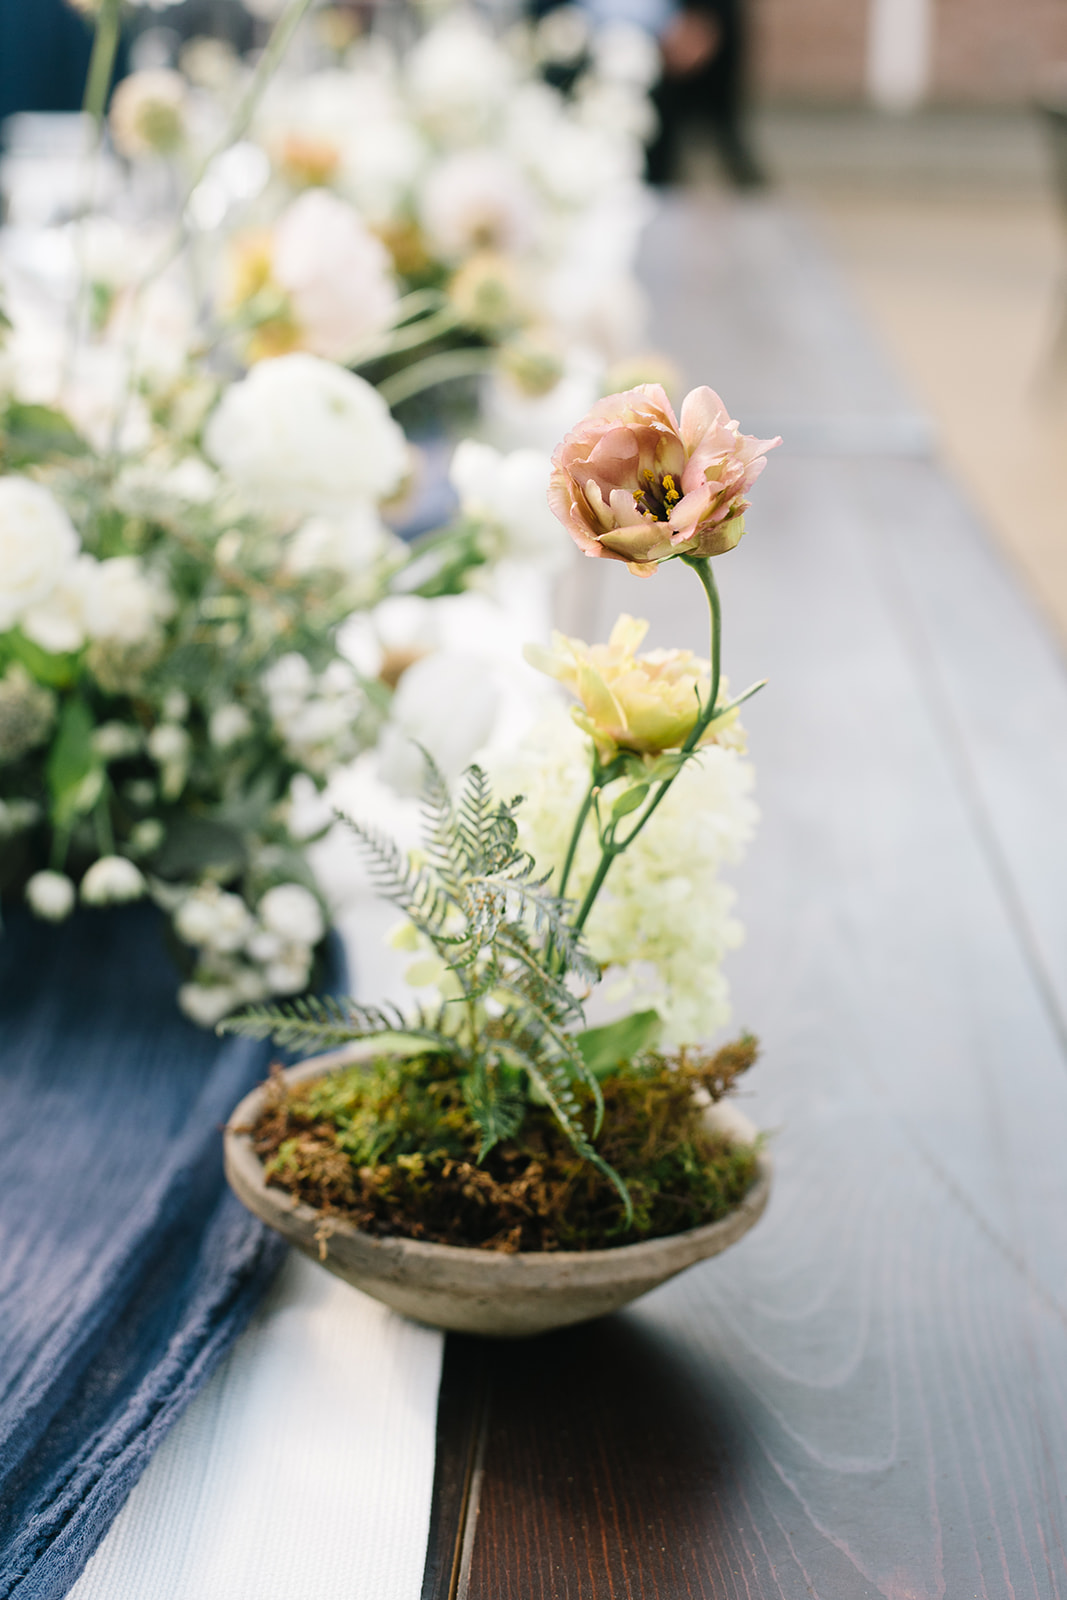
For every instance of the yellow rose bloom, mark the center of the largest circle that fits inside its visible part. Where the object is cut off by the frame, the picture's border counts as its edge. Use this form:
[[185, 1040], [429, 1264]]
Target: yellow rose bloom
[[646, 704]]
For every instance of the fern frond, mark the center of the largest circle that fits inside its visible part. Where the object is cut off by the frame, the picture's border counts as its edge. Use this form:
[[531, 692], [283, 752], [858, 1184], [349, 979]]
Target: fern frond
[[496, 1109], [415, 890], [517, 899], [555, 1088], [322, 1023]]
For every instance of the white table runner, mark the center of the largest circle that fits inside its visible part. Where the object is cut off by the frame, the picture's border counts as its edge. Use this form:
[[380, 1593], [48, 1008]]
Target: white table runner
[[303, 1471]]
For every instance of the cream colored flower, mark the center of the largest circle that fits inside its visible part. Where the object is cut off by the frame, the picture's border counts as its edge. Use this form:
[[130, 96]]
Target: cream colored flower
[[643, 703], [148, 112]]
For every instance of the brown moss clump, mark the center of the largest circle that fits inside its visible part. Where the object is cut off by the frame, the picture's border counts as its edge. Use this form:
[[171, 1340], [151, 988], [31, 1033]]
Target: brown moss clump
[[389, 1147]]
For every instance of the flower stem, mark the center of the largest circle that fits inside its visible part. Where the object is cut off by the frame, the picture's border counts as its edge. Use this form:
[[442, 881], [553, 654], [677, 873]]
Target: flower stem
[[576, 834], [607, 856], [409, 336], [102, 61], [433, 370], [611, 846]]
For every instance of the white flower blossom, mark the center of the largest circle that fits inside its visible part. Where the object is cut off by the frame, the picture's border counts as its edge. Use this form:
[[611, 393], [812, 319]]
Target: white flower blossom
[[16, 816], [292, 913], [123, 602], [316, 717], [458, 78], [337, 274], [50, 895], [350, 544], [301, 434], [112, 881], [170, 747], [508, 494], [228, 725], [114, 741], [148, 113], [477, 200], [213, 918], [447, 703], [289, 974], [207, 1003], [37, 544]]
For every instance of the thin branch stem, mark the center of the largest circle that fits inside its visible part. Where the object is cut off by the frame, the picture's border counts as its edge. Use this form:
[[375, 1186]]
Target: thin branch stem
[[576, 834], [433, 370]]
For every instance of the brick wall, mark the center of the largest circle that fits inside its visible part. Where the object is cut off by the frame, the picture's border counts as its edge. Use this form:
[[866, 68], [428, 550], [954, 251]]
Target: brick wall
[[994, 51], [997, 50], [809, 49]]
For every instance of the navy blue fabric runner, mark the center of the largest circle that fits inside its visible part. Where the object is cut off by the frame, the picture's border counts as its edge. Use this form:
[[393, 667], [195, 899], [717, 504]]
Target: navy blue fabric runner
[[126, 1266]]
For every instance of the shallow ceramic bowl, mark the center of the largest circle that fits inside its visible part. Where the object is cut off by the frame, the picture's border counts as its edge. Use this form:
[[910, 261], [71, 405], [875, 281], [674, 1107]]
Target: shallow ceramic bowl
[[481, 1291]]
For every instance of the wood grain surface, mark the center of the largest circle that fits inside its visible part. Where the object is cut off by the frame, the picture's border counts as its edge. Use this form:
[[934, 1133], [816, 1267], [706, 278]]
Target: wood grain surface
[[867, 1396]]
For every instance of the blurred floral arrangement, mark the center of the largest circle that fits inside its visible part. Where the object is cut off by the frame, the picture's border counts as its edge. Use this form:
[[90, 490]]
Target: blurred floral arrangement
[[205, 334]]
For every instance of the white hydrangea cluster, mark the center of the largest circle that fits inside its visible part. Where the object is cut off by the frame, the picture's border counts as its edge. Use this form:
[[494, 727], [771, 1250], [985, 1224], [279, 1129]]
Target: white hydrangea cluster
[[243, 956], [664, 921], [315, 714]]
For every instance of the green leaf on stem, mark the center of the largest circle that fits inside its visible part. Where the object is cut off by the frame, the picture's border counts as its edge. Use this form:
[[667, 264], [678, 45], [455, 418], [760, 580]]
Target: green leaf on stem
[[631, 800], [75, 774], [604, 1048]]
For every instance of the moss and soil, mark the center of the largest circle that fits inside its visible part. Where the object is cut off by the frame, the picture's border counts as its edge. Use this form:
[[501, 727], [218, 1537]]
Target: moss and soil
[[389, 1146]]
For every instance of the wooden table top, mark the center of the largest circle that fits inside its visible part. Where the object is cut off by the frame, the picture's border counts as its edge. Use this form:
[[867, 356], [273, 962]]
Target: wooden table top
[[868, 1395]]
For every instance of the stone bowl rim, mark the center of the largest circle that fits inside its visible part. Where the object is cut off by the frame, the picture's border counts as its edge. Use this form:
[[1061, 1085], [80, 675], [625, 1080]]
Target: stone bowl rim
[[242, 1161]]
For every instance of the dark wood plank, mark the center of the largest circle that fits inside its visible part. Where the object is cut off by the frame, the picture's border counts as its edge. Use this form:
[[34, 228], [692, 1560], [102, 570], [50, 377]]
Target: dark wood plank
[[886, 1357], [868, 1396], [462, 1418]]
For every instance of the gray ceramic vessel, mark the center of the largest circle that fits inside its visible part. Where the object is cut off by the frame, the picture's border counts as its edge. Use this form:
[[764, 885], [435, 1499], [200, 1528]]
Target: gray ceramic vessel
[[481, 1291]]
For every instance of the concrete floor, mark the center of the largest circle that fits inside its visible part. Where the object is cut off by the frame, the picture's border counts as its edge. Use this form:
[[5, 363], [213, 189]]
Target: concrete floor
[[947, 229]]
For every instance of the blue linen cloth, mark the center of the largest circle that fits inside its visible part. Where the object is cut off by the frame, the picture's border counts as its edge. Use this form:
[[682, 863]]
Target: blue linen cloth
[[126, 1266]]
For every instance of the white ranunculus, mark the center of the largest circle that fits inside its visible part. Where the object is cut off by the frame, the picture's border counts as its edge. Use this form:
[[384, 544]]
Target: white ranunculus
[[228, 725], [112, 881], [293, 913], [123, 603], [300, 434], [509, 495], [337, 274], [50, 895], [213, 918], [477, 200], [447, 703], [37, 544]]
